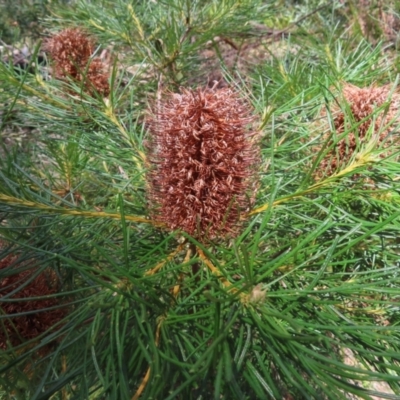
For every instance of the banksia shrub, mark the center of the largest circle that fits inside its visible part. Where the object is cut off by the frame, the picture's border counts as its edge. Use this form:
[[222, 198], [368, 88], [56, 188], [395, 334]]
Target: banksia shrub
[[203, 158], [71, 51], [363, 103], [24, 285]]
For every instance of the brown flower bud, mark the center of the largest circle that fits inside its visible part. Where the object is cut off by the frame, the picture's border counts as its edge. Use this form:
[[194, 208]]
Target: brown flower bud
[[203, 161], [258, 295]]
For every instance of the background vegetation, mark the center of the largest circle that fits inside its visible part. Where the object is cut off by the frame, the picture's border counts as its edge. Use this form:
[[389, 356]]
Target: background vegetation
[[99, 302]]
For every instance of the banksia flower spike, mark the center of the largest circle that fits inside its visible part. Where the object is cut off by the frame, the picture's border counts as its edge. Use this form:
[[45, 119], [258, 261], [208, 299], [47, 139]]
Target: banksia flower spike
[[71, 51], [97, 78], [363, 103], [203, 159], [32, 322]]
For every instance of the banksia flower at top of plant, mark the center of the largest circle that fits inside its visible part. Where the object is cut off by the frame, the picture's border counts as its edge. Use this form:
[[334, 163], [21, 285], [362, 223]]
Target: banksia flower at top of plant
[[203, 159], [363, 103], [71, 51]]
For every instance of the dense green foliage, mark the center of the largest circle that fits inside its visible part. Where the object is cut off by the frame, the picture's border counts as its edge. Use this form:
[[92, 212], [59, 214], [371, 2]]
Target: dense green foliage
[[302, 304]]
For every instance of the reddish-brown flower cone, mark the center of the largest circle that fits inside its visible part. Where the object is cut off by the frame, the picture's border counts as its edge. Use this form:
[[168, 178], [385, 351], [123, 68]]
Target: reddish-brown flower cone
[[71, 51], [16, 329], [363, 103], [97, 78], [203, 162]]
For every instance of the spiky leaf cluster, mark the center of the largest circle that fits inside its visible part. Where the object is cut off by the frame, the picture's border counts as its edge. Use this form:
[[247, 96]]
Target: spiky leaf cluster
[[301, 303]]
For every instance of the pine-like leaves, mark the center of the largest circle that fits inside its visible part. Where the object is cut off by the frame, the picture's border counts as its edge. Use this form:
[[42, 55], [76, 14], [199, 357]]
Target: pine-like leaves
[[203, 160]]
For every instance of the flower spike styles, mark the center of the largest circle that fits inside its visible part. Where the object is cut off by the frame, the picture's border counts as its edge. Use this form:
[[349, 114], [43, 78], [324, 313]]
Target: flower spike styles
[[203, 159]]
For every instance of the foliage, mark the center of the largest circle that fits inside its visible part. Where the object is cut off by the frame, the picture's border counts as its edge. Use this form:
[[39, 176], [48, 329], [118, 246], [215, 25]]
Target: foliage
[[301, 304], [19, 18]]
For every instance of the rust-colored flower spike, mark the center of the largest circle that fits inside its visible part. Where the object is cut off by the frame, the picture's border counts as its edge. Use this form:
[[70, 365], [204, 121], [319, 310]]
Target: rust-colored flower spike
[[362, 103], [28, 326], [71, 51], [96, 78], [203, 158]]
